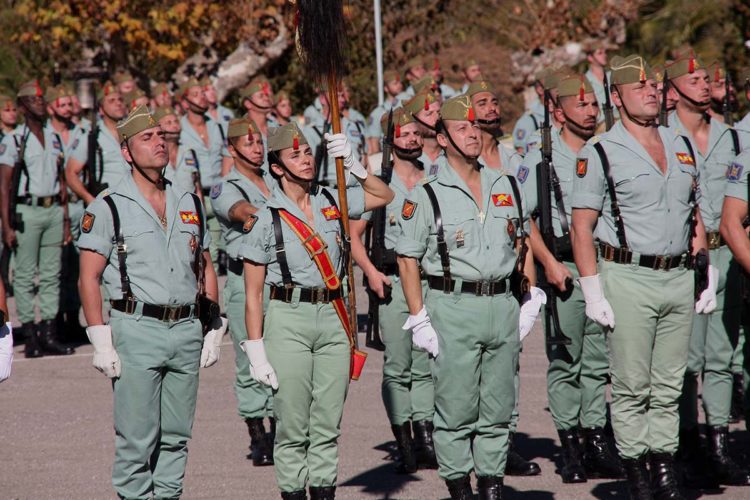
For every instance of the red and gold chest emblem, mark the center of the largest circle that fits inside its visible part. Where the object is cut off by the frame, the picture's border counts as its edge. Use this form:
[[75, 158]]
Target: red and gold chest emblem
[[407, 211], [686, 159], [502, 200], [582, 166], [331, 213], [189, 217]]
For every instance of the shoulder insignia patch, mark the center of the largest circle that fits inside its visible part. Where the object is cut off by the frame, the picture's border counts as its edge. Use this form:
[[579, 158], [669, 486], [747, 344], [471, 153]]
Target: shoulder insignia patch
[[434, 169], [734, 172], [190, 161], [522, 174], [331, 213], [520, 133], [189, 217], [56, 144], [249, 223], [87, 222], [502, 200], [75, 144], [686, 159], [582, 166], [407, 211], [216, 190]]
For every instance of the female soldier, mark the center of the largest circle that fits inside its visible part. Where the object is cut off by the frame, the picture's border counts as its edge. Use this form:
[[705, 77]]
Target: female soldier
[[294, 245]]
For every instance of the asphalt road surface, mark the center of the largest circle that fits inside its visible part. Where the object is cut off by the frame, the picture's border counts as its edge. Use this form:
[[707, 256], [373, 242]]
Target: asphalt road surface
[[56, 438]]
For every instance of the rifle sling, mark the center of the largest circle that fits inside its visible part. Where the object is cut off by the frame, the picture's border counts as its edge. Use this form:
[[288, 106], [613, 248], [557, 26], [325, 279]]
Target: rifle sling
[[616, 215], [442, 246]]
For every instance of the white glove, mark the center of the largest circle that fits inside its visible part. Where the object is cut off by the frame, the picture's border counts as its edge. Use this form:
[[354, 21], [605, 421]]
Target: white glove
[[6, 350], [106, 359], [423, 334], [597, 306], [338, 147], [211, 342], [260, 369], [532, 303], [706, 303]]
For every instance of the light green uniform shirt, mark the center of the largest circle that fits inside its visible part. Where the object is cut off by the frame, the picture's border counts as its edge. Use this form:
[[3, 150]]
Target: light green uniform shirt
[[393, 211], [655, 207], [481, 240], [374, 129], [208, 158], [182, 174], [41, 161], [112, 166], [159, 263], [509, 160], [259, 244], [314, 133], [529, 122]]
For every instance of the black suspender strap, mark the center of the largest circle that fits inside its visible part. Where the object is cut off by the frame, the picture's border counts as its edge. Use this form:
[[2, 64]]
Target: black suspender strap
[[197, 164], [533, 119], [121, 248], [345, 249], [735, 141], [693, 194], [239, 188], [557, 191], [616, 215], [198, 264], [442, 246], [517, 196], [286, 276]]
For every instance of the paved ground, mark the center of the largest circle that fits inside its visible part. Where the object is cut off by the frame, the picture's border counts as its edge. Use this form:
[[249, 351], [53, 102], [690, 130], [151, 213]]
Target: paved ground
[[56, 438]]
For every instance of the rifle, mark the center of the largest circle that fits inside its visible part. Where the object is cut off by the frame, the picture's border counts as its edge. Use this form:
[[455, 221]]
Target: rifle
[[375, 244], [553, 333], [609, 117], [93, 183], [663, 111], [5, 269], [726, 104]]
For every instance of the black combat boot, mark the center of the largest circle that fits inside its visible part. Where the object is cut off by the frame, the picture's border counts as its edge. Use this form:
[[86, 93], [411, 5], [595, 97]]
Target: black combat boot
[[638, 478], [598, 460], [31, 334], [724, 468], [572, 470], [516, 465], [260, 452], [738, 397], [460, 489], [322, 492], [48, 339], [423, 444], [663, 477], [407, 463], [294, 495], [490, 487], [691, 457]]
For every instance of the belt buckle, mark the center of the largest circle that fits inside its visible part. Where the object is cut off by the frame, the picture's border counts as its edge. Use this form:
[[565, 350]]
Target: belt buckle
[[661, 262], [626, 257], [288, 291], [318, 295], [47, 201], [484, 287], [713, 240], [130, 304], [171, 313], [608, 253]]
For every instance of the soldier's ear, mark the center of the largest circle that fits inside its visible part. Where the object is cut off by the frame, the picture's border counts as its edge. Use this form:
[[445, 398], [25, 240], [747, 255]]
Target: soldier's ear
[[614, 92], [442, 140]]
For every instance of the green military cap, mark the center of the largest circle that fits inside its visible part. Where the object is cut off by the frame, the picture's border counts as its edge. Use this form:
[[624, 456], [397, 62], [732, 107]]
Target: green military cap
[[138, 120], [239, 127], [574, 85], [401, 117], [206, 81], [122, 76], [591, 44], [132, 96], [391, 76], [658, 70], [414, 62], [281, 95], [30, 89], [163, 111], [420, 102], [480, 86], [286, 136], [259, 84], [553, 77], [56, 92], [468, 63], [105, 90], [426, 82], [192, 82], [685, 63], [630, 69], [5, 101], [716, 71], [457, 108], [160, 89]]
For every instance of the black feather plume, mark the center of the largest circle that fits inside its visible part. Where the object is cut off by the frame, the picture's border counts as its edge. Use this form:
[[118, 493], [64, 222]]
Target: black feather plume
[[322, 38]]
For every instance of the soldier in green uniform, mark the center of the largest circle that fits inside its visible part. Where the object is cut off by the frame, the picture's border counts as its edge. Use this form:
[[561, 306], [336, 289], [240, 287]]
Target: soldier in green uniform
[[415, 71], [124, 81], [282, 108], [216, 111], [596, 56], [294, 245], [8, 115], [644, 279], [31, 164], [407, 389], [715, 335], [161, 97], [531, 119], [142, 239], [181, 169], [472, 71], [235, 199], [257, 99], [577, 373], [393, 86], [463, 226], [425, 109]]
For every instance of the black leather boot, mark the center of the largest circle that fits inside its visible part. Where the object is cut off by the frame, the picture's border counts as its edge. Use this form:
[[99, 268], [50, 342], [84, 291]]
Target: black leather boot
[[260, 452], [738, 397], [724, 468], [32, 348], [663, 477], [490, 487], [48, 339], [294, 495], [516, 465], [460, 489], [322, 492], [572, 470], [407, 463], [423, 444], [691, 457], [598, 460], [638, 478]]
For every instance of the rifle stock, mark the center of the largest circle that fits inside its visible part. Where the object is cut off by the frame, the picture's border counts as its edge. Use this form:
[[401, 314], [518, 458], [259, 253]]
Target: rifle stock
[[609, 117], [726, 103], [663, 112]]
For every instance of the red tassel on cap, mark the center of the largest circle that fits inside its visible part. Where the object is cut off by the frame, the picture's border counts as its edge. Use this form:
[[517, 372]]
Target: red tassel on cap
[[581, 91], [295, 143], [249, 131], [691, 63], [38, 88], [266, 90], [426, 104], [436, 64], [717, 74], [397, 132], [470, 115], [57, 102]]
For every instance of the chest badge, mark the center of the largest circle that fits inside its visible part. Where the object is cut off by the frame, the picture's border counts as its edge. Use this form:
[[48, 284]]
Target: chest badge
[[582, 166], [189, 217], [87, 222], [249, 223], [392, 219], [331, 213], [511, 229], [686, 159], [460, 240], [407, 211], [502, 200], [193, 243]]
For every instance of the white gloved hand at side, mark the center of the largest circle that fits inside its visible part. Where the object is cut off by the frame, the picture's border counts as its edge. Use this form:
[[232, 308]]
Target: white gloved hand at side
[[210, 352], [106, 359], [260, 369], [423, 334], [597, 306], [339, 147], [6, 350], [706, 303], [532, 303]]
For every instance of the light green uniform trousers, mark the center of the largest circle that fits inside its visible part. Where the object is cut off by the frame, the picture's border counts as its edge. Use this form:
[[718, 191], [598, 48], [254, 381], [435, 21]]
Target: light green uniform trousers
[[39, 251], [254, 400], [309, 350], [473, 375], [712, 346], [648, 352], [407, 389], [154, 403], [577, 373]]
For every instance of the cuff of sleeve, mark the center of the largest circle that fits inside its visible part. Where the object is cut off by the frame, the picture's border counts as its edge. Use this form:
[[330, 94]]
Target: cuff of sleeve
[[410, 248], [254, 254], [586, 200], [736, 191], [95, 244]]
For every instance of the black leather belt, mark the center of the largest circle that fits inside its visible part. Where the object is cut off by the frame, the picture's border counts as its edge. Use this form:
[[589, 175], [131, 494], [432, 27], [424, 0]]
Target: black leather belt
[[41, 201], [311, 295], [715, 240], [655, 262], [473, 287], [235, 266], [162, 313]]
